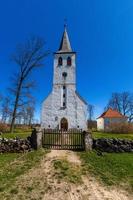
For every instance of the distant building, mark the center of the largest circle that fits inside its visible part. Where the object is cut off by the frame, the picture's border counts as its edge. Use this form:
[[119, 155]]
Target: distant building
[[64, 108], [110, 117]]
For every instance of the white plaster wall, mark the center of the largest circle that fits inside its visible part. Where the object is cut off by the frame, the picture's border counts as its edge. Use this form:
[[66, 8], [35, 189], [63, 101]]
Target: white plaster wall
[[76, 110], [70, 70], [100, 124], [81, 113]]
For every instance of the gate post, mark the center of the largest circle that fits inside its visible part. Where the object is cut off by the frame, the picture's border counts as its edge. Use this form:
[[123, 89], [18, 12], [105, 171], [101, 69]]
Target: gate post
[[36, 138], [88, 140]]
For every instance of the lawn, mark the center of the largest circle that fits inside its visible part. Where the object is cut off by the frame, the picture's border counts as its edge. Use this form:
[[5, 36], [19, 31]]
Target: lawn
[[111, 168], [12, 166], [17, 133], [112, 135], [22, 135]]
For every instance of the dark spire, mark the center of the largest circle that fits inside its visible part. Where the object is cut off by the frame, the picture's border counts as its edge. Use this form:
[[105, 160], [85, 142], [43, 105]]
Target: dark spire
[[65, 43]]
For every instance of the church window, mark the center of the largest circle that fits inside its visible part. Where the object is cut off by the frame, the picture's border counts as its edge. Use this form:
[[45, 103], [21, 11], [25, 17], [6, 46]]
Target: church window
[[60, 61], [64, 96], [64, 104], [69, 61], [64, 74]]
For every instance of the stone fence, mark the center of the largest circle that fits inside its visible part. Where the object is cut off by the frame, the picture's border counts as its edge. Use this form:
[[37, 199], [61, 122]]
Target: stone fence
[[113, 145], [36, 138], [35, 142], [102, 144], [14, 145], [88, 141]]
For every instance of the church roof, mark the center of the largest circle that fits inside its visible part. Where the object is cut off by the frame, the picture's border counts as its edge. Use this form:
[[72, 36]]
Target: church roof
[[81, 98], [65, 45], [110, 113]]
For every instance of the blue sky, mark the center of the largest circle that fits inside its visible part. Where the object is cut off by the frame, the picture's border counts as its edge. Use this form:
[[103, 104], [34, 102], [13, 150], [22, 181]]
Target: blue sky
[[101, 32]]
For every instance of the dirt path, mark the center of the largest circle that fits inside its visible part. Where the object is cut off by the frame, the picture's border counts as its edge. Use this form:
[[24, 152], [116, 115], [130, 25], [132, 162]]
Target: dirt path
[[89, 190], [41, 183]]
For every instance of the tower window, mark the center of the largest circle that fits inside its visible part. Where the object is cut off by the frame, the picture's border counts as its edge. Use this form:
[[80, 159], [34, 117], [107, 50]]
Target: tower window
[[64, 104], [69, 61], [60, 61], [64, 74], [64, 87]]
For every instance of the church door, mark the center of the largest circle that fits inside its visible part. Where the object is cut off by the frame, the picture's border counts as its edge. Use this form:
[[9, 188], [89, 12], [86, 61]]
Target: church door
[[64, 124]]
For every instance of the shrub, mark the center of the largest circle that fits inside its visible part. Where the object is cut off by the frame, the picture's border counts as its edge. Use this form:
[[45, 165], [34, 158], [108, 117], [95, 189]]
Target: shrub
[[91, 124], [120, 128], [4, 127], [22, 128]]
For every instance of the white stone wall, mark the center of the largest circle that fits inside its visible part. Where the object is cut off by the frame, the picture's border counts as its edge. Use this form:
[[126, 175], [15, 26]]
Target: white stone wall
[[75, 112], [70, 70], [76, 109]]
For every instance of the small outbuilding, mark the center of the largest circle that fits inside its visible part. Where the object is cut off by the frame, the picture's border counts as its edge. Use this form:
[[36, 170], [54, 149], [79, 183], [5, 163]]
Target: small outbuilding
[[110, 117]]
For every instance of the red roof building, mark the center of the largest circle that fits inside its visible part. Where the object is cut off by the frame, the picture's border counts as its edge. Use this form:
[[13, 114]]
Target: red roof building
[[110, 113], [109, 117]]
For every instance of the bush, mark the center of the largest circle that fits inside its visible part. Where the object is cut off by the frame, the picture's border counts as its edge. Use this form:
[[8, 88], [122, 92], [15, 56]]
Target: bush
[[91, 124], [22, 128], [4, 127], [120, 128]]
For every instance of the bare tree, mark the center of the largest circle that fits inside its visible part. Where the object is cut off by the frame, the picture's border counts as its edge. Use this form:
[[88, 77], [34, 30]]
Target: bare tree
[[6, 109], [90, 111], [1, 98], [115, 101], [28, 56], [25, 114], [122, 102], [30, 114]]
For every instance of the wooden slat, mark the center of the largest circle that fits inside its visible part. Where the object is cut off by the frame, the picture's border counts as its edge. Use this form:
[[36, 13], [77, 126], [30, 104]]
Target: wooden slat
[[58, 139]]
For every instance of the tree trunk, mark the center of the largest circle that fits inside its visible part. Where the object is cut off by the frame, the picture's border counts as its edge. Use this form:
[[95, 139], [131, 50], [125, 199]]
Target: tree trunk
[[15, 107]]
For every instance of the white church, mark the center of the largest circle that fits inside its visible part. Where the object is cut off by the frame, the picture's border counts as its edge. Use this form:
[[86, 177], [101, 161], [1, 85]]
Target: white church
[[64, 108]]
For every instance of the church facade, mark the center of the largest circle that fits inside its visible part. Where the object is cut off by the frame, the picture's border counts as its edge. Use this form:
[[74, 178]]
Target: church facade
[[64, 108]]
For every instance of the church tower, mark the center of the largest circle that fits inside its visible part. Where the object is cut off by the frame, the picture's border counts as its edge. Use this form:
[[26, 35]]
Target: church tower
[[64, 69], [64, 108]]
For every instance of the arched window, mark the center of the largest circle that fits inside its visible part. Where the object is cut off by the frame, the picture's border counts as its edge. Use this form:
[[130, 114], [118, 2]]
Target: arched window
[[69, 61], [60, 61]]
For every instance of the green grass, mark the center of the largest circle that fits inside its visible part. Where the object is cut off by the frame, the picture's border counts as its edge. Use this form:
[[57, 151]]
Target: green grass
[[112, 135], [14, 165], [111, 168], [67, 171], [19, 134]]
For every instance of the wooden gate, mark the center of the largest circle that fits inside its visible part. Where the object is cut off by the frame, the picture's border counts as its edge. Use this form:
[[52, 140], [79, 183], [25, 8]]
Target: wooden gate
[[59, 139]]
